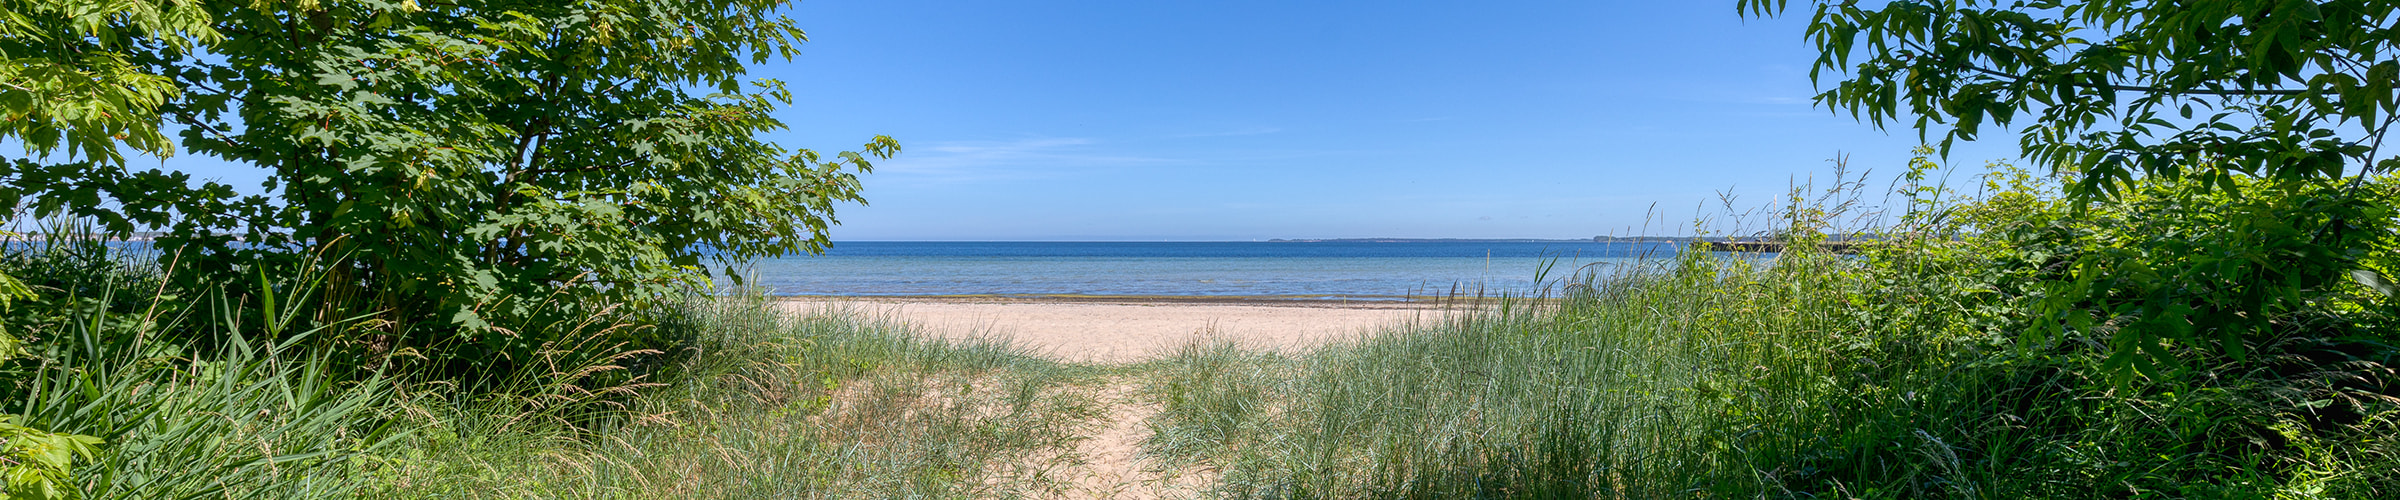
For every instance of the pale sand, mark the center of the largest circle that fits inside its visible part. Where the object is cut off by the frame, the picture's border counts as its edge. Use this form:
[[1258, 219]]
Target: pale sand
[[1125, 330], [1113, 464], [1107, 461]]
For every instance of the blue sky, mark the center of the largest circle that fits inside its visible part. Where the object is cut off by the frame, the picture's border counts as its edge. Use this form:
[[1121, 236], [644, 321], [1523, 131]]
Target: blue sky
[[1244, 120]]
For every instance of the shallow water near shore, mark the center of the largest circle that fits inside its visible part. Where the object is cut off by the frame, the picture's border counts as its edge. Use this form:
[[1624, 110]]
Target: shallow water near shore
[[1313, 269]]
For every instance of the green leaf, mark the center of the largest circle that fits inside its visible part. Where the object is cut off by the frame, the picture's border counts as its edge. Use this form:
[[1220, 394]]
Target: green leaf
[[2374, 281]]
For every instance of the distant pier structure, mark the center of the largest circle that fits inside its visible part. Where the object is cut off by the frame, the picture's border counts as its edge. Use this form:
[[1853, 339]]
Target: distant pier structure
[[1841, 247], [1846, 245]]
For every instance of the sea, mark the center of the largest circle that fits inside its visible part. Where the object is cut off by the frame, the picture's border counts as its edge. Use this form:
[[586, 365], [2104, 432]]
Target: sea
[[1348, 270]]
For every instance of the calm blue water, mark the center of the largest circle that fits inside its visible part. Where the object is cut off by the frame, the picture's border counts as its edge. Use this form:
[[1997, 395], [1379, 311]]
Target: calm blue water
[[1292, 269]]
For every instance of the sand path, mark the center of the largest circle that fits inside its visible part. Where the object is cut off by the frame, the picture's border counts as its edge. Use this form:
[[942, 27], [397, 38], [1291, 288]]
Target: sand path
[[1112, 464], [1108, 460], [1126, 331]]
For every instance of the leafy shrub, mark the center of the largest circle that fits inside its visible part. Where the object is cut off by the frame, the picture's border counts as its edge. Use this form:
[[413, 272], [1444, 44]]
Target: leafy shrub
[[459, 170], [35, 464], [1919, 367]]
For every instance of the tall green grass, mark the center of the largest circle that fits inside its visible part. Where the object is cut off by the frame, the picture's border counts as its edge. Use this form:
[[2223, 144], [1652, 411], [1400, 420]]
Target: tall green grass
[[1809, 376], [1906, 371], [252, 422], [251, 395], [1647, 390], [836, 404], [242, 418]]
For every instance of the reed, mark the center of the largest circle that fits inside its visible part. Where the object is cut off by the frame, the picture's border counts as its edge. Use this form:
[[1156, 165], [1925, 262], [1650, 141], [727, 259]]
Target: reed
[[245, 419]]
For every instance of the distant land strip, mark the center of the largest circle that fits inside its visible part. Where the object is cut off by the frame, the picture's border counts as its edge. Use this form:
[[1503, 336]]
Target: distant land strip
[[1594, 239], [1349, 301], [1836, 243]]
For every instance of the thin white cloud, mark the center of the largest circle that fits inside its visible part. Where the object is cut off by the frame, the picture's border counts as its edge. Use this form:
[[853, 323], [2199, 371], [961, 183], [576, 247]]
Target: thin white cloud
[[1232, 133], [1003, 148], [968, 161]]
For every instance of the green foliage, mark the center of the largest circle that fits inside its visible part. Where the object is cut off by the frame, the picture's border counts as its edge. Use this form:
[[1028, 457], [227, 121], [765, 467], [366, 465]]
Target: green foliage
[[35, 464], [11, 291], [467, 167], [2174, 265], [2282, 89], [74, 72], [1896, 372], [2254, 355], [231, 419], [72, 283], [2208, 143]]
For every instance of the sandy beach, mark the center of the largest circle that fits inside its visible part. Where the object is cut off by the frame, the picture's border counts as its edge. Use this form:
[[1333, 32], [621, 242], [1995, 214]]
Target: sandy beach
[[1115, 330]]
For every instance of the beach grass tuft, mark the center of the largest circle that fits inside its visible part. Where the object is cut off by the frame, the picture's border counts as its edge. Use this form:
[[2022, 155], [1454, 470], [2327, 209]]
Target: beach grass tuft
[[836, 403]]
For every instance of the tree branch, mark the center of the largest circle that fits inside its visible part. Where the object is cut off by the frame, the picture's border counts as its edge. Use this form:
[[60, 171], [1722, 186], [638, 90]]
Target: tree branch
[[2124, 88], [2149, 90], [589, 168]]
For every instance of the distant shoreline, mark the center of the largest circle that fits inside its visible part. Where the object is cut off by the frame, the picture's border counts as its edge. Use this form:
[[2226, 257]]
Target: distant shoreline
[[1344, 302], [154, 236], [1595, 239], [1430, 240]]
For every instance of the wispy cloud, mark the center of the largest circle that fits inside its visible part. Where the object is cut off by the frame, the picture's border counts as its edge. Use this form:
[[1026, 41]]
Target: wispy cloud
[[1010, 145], [966, 161], [1232, 133]]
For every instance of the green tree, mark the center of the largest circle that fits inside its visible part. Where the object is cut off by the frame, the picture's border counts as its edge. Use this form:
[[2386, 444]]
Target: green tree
[[463, 162], [2269, 88], [71, 73], [2234, 142]]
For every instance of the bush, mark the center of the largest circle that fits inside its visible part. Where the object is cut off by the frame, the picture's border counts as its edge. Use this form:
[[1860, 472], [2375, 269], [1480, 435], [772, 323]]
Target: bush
[[1919, 367]]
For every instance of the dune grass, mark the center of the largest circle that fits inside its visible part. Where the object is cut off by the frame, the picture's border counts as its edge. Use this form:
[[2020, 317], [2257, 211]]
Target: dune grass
[[1729, 378], [1918, 368], [1808, 376], [253, 422], [1634, 395], [836, 404], [755, 401]]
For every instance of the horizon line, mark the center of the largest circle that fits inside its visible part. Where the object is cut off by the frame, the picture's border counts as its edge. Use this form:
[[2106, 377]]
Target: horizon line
[[1253, 240]]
